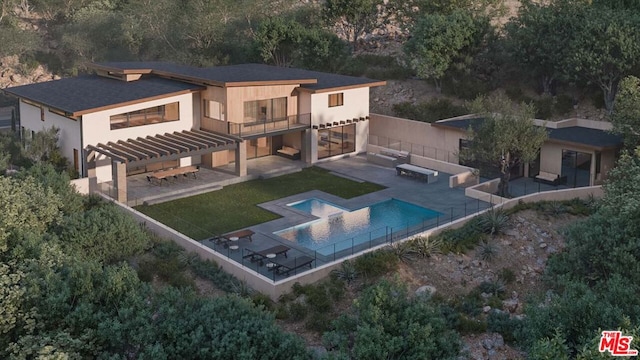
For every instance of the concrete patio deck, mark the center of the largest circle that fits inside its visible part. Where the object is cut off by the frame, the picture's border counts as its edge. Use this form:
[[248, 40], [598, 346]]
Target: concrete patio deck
[[450, 202], [140, 191]]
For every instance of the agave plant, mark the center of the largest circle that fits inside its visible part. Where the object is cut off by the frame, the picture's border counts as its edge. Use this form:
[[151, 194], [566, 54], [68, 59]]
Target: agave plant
[[487, 251], [404, 251], [426, 246], [347, 272], [493, 222]]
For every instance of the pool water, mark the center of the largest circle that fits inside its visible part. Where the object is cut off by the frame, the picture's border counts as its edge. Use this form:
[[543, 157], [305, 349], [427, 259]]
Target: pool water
[[339, 229], [317, 207]]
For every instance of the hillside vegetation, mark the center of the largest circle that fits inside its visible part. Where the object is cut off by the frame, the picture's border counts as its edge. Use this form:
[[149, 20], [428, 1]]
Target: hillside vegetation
[[80, 280]]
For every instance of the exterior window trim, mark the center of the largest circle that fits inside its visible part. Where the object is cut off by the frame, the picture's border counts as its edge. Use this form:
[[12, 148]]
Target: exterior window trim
[[147, 116], [336, 99]]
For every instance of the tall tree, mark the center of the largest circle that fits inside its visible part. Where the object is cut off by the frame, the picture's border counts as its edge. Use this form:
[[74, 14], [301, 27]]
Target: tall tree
[[277, 40], [604, 48], [626, 114], [353, 17], [440, 41], [505, 138], [538, 39]]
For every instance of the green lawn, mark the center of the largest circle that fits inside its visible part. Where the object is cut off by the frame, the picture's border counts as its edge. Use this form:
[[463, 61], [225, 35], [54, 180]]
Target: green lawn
[[234, 207]]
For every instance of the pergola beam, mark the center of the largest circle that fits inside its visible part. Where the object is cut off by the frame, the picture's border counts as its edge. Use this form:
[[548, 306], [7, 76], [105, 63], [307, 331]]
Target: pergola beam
[[167, 142], [139, 155], [181, 137], [187, 144], [135, 145], [225, 139]]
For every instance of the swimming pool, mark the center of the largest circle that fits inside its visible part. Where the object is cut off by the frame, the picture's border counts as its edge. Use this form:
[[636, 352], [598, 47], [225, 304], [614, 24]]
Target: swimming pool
[[342, 228]]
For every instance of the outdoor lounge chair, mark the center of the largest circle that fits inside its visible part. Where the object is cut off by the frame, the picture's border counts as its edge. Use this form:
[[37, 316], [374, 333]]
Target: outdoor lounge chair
[[260, 255], [292, 264]]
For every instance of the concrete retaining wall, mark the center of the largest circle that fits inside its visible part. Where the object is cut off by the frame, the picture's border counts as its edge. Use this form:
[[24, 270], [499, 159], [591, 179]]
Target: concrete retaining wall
[[463, 175], [275, 289], [81, 185]]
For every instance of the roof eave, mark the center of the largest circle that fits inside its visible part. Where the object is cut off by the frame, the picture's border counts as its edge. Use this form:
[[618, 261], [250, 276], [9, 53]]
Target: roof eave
[[345, 87], [132, 102], [118, 70], [270, 82], [583, 145]]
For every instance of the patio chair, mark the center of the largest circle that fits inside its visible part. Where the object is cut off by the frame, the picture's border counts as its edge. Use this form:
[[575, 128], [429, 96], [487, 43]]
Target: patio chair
[[260, 255], [292, 264], [218, 240]]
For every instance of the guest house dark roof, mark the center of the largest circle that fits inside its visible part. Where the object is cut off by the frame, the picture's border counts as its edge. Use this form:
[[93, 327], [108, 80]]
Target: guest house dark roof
[[578, 135], [574, 135], [89, 93], [243, 75]]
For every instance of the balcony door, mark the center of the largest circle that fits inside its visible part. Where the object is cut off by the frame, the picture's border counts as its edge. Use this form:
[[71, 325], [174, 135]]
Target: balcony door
[[265, 110]]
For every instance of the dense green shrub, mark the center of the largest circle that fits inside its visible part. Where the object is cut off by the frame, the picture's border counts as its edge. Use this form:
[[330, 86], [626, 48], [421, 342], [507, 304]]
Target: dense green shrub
[[462, 239], [376, 67], [103, 233], [431, 111], [376, 263], [465, 87], [171, 271], [385, 323], [211, 271], [502, 323]]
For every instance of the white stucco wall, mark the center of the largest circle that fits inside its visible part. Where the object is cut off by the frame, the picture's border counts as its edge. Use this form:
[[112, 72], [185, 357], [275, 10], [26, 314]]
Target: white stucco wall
[[97, 129], [356, 104], [69, 134]]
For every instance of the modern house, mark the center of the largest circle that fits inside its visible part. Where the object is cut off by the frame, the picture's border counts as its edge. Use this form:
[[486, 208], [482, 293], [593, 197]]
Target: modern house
[[133, 117]]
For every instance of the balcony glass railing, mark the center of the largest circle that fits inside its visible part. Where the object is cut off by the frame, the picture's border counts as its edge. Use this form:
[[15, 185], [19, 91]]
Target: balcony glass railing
[[299, 121]]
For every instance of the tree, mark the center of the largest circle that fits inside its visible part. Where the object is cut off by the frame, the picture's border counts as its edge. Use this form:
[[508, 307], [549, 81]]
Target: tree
[[506, 136], [538, 40], [353, 17], [439, 41], [14, 40], [626, 114], [604, 48], [278, 39]]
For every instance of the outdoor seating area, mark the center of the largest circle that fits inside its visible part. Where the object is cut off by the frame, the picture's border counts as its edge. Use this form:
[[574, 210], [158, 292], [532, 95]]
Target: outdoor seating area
[[230, 240], [550, 178], [270, 253], [286, 267], [157, 177], [289, 152], [427, 175]]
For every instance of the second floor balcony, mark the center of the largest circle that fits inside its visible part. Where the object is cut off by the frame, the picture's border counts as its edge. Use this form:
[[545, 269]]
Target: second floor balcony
[[270, 126]]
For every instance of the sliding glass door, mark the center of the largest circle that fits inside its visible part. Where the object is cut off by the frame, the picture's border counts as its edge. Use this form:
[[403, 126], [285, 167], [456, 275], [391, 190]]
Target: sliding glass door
[[576, 166]]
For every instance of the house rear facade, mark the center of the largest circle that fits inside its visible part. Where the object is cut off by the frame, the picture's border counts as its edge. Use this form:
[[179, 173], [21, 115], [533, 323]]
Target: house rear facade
[[133, 117]]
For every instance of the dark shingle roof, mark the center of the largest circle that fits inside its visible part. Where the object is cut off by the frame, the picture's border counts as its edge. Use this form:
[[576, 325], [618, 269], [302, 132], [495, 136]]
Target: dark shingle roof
[[586, 136], [573, 134], [83, 93], [246, 73]]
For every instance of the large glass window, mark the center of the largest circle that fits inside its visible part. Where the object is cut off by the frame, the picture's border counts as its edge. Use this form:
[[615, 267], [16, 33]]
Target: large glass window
[[336, 141], [213, 109], [152, 115], [265, 110]]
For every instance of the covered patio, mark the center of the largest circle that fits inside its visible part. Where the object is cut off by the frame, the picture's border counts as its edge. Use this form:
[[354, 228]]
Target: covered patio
[[123, 155], [140, 191]]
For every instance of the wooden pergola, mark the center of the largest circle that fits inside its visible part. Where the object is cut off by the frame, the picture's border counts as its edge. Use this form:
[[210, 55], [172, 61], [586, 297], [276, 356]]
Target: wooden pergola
[[141, 151]]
